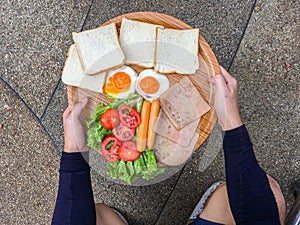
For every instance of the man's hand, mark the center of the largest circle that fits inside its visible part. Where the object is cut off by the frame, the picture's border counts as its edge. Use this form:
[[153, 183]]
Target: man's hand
[[75, 140], [226, 100]]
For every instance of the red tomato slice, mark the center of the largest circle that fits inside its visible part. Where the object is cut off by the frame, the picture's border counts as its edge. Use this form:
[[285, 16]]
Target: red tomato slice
[[110, 147], [123, 133], [129, 116], [110, 119], [128, 151]]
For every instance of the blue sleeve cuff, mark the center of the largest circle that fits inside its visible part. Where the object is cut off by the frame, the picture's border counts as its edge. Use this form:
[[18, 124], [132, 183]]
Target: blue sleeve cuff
[[74, 162]]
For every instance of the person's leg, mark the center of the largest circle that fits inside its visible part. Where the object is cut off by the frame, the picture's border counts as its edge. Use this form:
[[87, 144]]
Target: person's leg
[[107, 216], [217, 207], [278, 197]]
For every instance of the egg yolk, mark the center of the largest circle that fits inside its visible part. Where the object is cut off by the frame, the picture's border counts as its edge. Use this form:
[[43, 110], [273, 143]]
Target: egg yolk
[[149, 85], [119, 82]]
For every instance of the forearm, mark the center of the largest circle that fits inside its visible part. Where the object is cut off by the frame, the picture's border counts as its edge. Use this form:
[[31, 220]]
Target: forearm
[[250, 196], [75, 203]]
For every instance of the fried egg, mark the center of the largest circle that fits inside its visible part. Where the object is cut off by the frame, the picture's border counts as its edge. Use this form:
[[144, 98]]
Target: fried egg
[[120, 82], [150, 84]]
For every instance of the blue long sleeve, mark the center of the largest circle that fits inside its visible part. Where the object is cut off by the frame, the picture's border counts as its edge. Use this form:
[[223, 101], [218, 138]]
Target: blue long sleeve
[[75, 202], [250, 196]]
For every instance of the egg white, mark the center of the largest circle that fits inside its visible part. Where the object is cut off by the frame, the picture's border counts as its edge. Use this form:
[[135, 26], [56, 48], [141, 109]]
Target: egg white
[[133, 77], [164, 84]]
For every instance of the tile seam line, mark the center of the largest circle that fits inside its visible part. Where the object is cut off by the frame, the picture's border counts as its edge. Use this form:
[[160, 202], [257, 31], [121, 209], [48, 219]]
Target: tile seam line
[[166, 202], [31, 111], [57, 84], [50, 100], [242, 36]]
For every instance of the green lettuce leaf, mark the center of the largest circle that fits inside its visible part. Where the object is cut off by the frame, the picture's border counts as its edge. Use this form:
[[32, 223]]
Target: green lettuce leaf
[[145, 166]]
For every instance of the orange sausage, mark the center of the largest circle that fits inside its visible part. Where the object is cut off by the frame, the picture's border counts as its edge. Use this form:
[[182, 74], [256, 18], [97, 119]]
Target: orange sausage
[[152, 119], [141, 141]]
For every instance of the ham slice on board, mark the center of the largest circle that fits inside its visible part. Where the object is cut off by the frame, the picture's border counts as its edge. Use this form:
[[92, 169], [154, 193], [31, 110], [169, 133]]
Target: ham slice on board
[[165, 128], [183, 104], [192, 93], [172, 154]]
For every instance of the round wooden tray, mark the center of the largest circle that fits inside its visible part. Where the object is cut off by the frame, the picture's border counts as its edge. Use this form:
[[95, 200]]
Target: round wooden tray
[[208, 67]]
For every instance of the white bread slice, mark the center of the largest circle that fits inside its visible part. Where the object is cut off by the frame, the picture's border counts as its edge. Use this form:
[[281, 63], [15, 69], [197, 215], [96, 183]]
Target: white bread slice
[[99, 49], [137, 40], [74, 75], [177, 51]]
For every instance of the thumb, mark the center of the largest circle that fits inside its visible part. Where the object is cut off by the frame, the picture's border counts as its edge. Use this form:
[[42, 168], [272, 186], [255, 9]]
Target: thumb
[[79, 107]]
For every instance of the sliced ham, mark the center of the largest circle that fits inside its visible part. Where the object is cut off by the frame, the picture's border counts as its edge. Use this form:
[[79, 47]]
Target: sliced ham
[[172, 154], [183, 104], [178, 108], [192, 93], [165, 128]]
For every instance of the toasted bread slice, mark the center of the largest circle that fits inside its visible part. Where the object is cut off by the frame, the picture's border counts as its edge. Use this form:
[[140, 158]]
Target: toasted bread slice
[[137, 40], [74, 75], [99, 49], [177, 51]]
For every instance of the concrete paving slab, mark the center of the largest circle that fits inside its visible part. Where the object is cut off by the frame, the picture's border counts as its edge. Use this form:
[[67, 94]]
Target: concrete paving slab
[[269, 102], [140, 205], [271, 107], [221, 23], [28, 165], [52, 119], [35, 37], [269, 89]]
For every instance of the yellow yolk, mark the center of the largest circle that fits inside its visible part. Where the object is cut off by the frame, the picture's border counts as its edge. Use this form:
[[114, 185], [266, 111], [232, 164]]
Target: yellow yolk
[[149, 85], [119, 82]]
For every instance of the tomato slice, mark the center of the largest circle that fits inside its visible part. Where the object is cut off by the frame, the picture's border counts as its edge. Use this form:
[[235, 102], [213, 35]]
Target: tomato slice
[[128, 151], [110, 119], [123, 133], [110, 147], [129, 116]]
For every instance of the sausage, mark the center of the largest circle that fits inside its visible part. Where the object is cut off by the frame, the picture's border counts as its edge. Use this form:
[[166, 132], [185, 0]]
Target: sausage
[[152, 119], [143, 127]]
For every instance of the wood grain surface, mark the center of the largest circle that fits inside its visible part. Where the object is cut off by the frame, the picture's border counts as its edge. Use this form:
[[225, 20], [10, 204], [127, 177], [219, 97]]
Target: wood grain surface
[[208, 67]]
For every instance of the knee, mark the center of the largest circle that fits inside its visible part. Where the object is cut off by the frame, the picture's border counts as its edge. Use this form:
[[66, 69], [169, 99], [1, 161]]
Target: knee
[[278, 197]]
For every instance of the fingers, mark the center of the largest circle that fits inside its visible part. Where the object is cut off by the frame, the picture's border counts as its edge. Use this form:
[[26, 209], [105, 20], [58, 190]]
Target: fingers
[[66, 113], [79, 107], [225, 74], [230, 80], [220, 81]]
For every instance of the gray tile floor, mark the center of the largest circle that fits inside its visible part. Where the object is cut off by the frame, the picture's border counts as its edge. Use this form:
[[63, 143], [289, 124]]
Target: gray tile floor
[[35, 36], [28, 164], [34, 41]]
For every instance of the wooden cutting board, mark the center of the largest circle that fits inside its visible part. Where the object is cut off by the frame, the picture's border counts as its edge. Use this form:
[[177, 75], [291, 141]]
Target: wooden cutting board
[[208, 67]]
